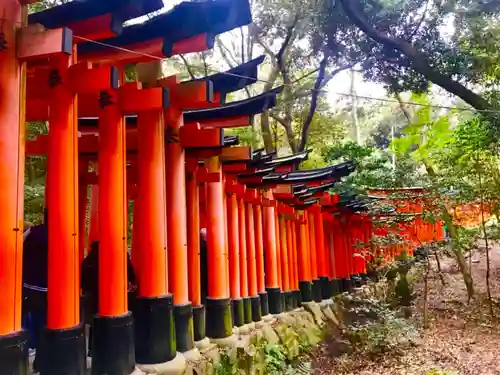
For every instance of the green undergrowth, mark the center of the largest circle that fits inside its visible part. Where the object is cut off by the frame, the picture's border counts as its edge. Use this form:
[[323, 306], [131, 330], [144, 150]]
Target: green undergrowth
[[374, 327], [288, 356], [370, 322], [282, 348], [268, 359]]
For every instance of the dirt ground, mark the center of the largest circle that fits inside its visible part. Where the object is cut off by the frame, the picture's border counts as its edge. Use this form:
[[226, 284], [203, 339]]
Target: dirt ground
[[462, 338]]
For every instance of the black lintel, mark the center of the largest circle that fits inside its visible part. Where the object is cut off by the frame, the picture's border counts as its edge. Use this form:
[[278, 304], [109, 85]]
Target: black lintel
[[75, 11], [248, 107], [236, 78], [184, 21]]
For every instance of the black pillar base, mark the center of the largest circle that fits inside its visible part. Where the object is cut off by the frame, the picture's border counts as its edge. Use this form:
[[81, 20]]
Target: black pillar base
[[305, 291], [326, 292], [183, 319], [219, 320], [247, 307], [14, 353], [336, 286], [264, 303], [63, 352], [256, 309], [154, 330], [238, 312], [113, 345], [288, 306], [297, 298], [199, 322], [357, 281], [274, 295], [373, 275], [366, 277], [316, 290], [347, 285]]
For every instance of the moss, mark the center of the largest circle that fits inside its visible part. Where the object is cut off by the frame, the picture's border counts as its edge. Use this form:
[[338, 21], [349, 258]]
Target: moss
[[228, 321], [270, 350]]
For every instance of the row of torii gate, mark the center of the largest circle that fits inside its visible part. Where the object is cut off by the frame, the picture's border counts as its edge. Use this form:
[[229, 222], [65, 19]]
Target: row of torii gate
[[275, 236]]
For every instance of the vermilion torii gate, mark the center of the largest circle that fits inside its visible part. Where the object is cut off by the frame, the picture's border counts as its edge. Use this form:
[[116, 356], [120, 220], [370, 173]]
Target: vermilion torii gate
[[272, 241]]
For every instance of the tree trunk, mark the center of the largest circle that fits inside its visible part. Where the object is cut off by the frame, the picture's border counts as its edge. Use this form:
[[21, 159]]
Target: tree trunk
[[483, 226], [267, 135], [459, 255], [426, 291], [440, 272], [455, 245]]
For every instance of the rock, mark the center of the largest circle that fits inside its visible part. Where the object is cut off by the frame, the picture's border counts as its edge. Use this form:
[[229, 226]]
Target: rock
[[192, 355], [177, 366], [289, 339], [330, 316], [269, 335], [227, 342], [315, 310], [203, 344]]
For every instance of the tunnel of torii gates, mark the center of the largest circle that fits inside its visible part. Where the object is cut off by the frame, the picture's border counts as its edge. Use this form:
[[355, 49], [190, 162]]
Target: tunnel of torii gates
[[275, 236]]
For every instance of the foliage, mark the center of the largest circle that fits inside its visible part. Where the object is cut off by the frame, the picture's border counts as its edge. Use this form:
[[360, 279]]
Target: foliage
[[407, 44], [376, 328], [373, 168], [285, 32], [33, 203], [262, 357]]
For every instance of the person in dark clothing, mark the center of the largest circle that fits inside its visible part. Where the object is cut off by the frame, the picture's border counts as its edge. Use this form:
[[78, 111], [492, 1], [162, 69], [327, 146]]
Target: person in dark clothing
[[35, 279], [90, 285]]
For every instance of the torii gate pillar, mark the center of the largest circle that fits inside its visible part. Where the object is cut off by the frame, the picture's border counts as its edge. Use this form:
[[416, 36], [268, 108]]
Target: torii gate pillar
[[13, 351]]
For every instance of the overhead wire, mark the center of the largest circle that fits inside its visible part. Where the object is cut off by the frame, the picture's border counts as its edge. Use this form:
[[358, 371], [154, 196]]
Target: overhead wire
[[364, 97]]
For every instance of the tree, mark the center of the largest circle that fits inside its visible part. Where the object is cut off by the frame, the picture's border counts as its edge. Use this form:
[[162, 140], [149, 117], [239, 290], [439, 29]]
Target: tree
[[285, 32], [427, 139], [402, 44]]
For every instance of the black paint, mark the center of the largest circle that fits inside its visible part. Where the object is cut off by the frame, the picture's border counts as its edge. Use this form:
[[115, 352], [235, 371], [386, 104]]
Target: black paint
[[256, 308], [238, 312], [155, 340], [219, 319], [199, 322], [264, 303], [14, 353], [183, 318], [63, 352], [305, 291], [274, 299]]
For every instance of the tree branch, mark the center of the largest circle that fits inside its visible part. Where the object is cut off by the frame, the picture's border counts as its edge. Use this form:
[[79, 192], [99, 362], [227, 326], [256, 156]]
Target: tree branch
[[321, 80], [278, 118], [403, 108], [226, 55], [188, 67], [267, 135], [242, 45], [205, 65], [279, 67], [264, 118], [419, 24], [419, 61]]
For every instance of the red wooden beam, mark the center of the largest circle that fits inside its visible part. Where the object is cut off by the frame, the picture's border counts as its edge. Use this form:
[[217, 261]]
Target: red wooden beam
[[36, 44]]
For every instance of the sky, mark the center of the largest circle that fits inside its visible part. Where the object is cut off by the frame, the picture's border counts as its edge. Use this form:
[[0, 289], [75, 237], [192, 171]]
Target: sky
[[342, 84]]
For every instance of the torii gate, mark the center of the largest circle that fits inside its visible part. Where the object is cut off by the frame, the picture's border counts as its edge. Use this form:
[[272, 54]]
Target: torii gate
[[91, 20]]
